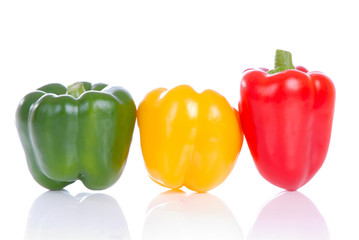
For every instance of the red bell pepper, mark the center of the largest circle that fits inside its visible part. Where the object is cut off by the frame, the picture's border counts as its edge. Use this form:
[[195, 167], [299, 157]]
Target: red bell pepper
[[286, 116]]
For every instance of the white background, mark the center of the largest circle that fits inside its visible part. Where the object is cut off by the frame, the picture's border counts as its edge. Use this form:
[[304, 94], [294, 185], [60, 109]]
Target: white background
[[142, 45]]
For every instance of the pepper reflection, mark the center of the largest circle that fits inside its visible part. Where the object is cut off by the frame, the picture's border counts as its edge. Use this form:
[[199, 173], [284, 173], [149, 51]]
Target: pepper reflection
[[58, 215], [176, 215], [290, 216]]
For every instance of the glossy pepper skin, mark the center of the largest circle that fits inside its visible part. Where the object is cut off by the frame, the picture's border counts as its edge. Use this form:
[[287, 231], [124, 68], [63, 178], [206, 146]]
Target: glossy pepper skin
[[286, 116], [188, 139], [83, 132]]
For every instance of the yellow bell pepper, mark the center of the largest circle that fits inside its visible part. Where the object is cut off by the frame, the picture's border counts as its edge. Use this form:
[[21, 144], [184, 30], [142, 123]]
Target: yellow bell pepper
[[187, 138]]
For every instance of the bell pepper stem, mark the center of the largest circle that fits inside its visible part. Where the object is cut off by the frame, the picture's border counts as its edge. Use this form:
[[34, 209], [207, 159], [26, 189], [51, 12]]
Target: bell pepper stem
[[283, 61], [75, 89]]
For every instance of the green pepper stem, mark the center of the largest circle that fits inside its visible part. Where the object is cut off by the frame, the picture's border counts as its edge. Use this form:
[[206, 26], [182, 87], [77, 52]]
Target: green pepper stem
[[283, 61], [75, 89]]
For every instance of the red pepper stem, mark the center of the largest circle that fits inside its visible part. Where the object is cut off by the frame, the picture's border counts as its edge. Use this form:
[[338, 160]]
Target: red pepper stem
[[283, 61], [75, 89]]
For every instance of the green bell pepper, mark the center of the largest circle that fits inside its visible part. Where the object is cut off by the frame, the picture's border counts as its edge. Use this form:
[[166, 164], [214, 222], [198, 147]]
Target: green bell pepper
[[81, 132]]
